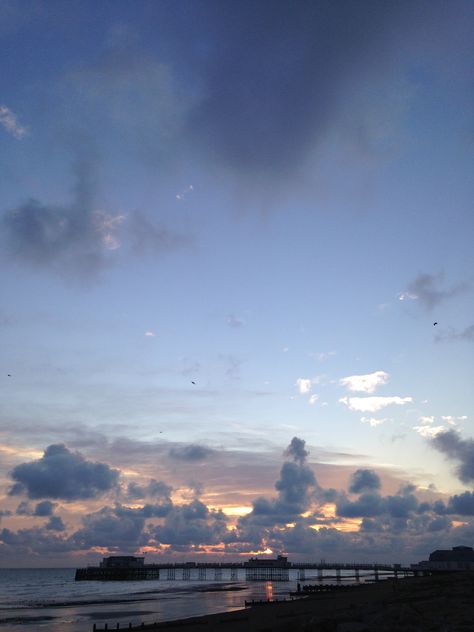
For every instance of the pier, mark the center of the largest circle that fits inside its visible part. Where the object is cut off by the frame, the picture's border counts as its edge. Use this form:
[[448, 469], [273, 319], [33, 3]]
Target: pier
[[127, 568]]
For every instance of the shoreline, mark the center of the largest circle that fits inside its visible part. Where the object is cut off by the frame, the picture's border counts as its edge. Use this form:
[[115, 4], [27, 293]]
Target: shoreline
[[434, 603]]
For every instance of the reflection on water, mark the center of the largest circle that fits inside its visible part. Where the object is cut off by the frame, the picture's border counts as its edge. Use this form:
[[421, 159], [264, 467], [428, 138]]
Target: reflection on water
[[269, 590]]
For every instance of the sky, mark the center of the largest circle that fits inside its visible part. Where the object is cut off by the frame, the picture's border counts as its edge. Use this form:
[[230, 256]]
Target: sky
[[237, 280]]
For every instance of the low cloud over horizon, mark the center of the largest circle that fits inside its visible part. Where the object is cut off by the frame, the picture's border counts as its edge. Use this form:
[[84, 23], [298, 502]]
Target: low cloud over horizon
[[300, 518]]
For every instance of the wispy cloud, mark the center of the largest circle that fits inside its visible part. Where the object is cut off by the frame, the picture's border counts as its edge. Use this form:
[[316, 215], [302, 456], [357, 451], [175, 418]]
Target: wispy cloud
[[407, 296], [426, 288], [303, 385], [365, 383], [453, 334], [322, 356], [234, 321], [10, 122], [373, 404], [107, 225], [186, 191], [426, 419], [429, 431], [373, 421], [76, 239], [452, 420]]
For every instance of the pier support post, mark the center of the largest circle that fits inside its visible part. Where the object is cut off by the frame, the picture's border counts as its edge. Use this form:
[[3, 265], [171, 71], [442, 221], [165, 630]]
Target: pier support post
[[234, 574], [376, 574], [357, 574], [301, 574], [320, 574], [338, 575]]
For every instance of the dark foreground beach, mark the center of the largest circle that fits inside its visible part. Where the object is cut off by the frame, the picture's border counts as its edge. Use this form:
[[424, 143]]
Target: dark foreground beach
[[443, 603]]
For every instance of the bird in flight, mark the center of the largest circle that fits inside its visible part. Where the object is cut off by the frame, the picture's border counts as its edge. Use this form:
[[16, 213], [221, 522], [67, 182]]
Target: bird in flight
[[434, 324], [193, 382], [8, 374]]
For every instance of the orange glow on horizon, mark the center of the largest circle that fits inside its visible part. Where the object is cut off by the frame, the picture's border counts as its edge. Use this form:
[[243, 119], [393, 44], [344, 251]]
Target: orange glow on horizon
[[21, 452], [267, 551], [232, 510]]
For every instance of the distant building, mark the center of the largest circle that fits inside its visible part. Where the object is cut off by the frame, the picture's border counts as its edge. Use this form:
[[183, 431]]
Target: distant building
[[280, 562], [122, 561], [266, 569], [459, 558]]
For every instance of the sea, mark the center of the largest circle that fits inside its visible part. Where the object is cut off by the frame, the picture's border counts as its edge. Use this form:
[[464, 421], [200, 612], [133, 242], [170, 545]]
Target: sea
[[50, 599]]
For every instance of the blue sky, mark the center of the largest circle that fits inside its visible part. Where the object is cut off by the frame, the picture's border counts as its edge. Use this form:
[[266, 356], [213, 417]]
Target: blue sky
[[227, 229]]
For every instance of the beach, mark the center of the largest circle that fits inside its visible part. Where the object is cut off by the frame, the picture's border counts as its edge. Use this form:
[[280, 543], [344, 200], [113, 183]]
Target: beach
[[438, 603]]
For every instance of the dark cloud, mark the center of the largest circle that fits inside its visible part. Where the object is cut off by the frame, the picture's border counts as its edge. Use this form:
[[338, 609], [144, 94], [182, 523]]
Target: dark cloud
[[29, 543], [297, 488], [372, 504], [254, 87], [191, 452], [192, 524], [63, 474], [407, 488], [55, 523], [294, 485], [462, 504], [454, 447], [58, 236], [366, 505], [401, 506], [426, 289], [24, 509], [79, 239], [442, 523], [296, 450], [155, 489], [44, 508], [364, 480], [277, 72], [110, 528], [157, 510]]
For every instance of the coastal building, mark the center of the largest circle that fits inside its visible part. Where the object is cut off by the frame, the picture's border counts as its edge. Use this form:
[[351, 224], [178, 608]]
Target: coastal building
[[459, 558]]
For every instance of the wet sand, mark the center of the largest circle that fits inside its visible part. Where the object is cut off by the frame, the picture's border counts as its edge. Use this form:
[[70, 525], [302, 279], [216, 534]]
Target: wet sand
[[440, 603]]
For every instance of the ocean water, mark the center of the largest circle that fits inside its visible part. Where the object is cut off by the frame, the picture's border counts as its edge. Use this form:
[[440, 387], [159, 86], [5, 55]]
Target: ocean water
[[50, 599]]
